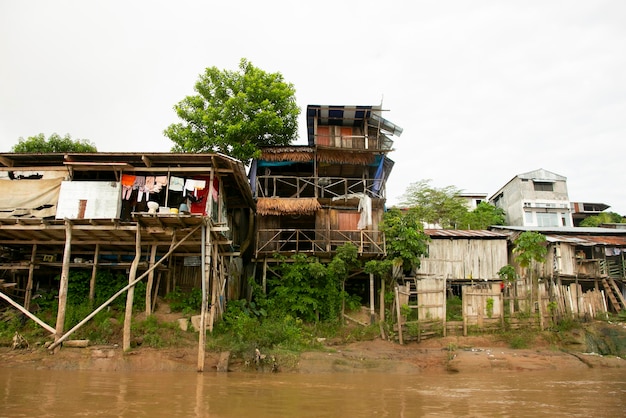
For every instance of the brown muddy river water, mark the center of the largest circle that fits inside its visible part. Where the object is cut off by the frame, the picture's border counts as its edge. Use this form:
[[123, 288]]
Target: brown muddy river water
[[46, 393]]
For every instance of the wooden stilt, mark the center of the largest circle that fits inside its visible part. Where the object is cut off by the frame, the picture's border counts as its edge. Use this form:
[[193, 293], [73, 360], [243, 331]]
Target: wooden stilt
[[214, 287], [120, 292], [399, 315], [372, 312], [150, 283], [130, 295], [31, 272], [94, 273], [206, 238], [381, 300], [65, 271]]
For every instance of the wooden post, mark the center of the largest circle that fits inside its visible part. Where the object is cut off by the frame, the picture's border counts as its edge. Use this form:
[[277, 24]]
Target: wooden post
[[203, 310], [444, 307], [94, 272], [31, 272], [264, 279], [372, 312], [130, 295], [65, 271], [381, 300], [214, 287], [150, 283], [399, 314]]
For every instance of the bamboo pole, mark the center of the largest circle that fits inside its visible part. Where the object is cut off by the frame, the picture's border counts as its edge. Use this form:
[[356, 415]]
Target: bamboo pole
[[28, 314], [31, 273], [65, 271], [121, 291], [130, 295], [150, 283]]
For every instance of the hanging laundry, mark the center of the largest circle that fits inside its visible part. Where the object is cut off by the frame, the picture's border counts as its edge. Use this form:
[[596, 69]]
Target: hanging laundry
[[127, 185], [177, 184], [159, 183]]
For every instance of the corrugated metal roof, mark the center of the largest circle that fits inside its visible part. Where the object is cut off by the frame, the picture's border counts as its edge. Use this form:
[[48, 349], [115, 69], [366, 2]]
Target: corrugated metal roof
[[562, 230], [464, 233], [589, 240]]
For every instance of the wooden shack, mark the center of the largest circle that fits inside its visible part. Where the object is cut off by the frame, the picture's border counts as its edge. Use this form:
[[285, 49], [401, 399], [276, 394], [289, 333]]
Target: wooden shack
[[464, 255], [592, 258], [173, 220]]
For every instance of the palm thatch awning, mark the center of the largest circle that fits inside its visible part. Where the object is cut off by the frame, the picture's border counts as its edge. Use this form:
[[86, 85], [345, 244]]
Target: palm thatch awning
[[278, 206], [295, 154], [342, 156]]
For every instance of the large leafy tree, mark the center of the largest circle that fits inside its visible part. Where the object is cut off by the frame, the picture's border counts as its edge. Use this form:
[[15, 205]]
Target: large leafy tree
[[54, 143], [434, 205], [236, 112]]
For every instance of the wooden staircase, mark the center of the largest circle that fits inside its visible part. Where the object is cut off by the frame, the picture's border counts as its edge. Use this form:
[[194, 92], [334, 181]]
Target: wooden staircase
[[614, 294]]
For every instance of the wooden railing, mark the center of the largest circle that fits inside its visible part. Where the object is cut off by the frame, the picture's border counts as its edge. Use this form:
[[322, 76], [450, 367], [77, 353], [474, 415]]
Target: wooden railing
[[320, 187], [313, 241], [357, 142]]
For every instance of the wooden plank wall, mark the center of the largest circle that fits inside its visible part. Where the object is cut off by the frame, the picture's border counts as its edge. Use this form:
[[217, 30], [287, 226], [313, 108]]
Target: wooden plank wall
[[465, 259]]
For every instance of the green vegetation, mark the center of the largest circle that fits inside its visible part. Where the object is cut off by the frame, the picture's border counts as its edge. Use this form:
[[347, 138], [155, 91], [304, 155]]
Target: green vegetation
[[236, 113], [54, 143], [603, 218], [445, 207]]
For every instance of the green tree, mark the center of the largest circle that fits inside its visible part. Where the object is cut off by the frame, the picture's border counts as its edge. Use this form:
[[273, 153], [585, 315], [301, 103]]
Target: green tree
[[603, 218], [434, 205], [55, 143], [236, 112], [531, 246], [404, 236], [482, 217]]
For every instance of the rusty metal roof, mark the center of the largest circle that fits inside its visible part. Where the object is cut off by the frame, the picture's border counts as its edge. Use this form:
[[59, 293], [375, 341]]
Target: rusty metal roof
[[589, 240], [464, 233]]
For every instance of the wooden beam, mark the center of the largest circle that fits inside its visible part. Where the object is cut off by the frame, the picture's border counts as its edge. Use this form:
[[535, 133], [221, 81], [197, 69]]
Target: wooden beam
[[28, 314], [7, 162]]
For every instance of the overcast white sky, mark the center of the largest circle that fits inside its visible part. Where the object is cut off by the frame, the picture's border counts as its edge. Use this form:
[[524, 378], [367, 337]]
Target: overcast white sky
[[484, 90]]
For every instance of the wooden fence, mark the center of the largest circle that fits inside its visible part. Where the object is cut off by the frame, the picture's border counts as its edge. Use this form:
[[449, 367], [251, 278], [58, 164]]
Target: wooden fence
[[421, 306]]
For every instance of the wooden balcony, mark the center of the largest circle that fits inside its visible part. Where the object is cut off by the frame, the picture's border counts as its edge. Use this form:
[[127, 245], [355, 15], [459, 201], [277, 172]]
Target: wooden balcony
[[318, 187], [355, 142], [318, 242], [589, 268]]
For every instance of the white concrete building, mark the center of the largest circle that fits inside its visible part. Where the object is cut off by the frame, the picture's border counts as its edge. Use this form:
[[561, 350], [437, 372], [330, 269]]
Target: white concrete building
[[537, 198]]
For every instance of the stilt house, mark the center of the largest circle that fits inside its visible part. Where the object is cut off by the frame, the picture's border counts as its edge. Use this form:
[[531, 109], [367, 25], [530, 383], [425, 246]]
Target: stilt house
[[312, 199], [179, 220]]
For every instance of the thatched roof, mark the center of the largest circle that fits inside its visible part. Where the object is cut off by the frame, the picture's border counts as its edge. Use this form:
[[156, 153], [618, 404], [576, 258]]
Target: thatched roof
[[279, 206], [295, 154], [342, 156]]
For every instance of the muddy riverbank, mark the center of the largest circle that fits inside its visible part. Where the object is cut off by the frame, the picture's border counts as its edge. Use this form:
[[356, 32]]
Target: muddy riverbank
[[599, 345]]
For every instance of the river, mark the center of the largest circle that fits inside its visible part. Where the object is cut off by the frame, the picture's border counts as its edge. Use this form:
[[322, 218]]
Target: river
[[47, 393]]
